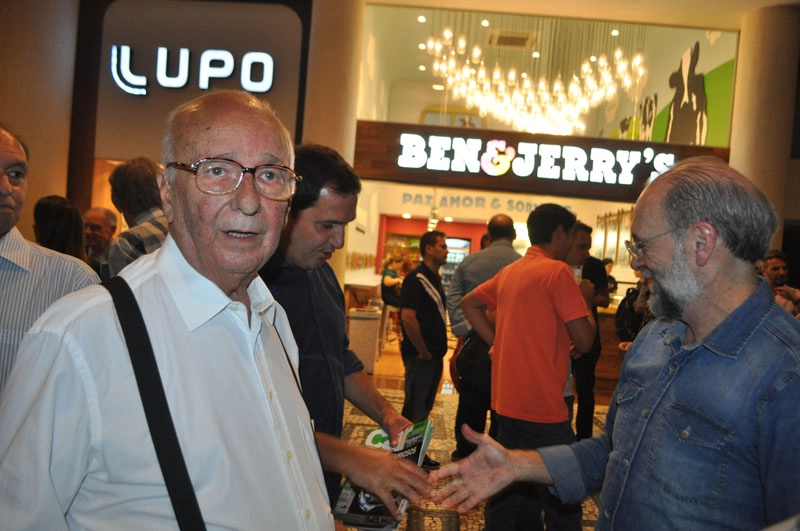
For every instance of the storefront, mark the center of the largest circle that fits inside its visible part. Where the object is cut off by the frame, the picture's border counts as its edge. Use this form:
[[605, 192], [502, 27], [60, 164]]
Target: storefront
[[465, 114]]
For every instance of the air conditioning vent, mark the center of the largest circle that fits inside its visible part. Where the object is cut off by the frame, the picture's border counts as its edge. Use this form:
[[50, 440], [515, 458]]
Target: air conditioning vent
[[517, 40]]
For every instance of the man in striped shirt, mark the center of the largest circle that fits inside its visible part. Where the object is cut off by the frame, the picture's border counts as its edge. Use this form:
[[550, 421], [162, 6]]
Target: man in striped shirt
[[135, 194], [31, 277]]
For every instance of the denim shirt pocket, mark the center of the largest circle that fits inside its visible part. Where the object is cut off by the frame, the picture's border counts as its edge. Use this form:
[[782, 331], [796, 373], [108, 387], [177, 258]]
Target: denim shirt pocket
[[688, 456]]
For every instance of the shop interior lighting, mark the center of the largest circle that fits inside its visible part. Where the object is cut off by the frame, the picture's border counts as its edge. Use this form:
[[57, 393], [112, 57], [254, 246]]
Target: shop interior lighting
[[496, 87]]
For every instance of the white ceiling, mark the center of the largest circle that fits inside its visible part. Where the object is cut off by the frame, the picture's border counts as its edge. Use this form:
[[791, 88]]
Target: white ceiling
[[706, 14]]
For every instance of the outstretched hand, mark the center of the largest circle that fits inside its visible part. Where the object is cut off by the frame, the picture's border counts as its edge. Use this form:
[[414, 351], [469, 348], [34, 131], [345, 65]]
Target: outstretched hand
[[487, 471], [385, 475]]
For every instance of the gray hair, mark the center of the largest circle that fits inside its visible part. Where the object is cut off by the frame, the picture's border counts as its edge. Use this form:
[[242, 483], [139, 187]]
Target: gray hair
[[210, 100], [108, 214], [707, 189]]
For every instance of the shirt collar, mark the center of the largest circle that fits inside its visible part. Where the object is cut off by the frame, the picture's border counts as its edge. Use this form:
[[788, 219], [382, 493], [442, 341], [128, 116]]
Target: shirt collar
[[731, 335], [198, 299], [16, 249]]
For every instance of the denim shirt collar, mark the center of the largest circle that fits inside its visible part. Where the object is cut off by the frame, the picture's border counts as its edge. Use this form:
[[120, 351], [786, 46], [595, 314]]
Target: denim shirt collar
[[730, 336]]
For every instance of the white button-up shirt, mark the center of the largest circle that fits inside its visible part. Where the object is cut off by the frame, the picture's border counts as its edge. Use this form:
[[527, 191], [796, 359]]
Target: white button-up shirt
[[75, 449]]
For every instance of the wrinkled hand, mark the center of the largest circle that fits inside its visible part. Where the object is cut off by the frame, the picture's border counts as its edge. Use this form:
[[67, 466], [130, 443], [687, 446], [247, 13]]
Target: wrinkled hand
[[484, 473], [393, 424], [383, 474]]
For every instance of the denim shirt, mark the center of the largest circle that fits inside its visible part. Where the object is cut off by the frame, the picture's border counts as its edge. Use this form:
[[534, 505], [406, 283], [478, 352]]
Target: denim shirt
[[703, 436]]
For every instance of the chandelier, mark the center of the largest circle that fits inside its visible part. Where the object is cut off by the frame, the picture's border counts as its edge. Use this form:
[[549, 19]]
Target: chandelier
[[533, 106]]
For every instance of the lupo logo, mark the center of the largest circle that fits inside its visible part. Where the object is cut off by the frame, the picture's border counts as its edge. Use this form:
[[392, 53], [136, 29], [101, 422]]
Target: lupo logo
[[216, 64]]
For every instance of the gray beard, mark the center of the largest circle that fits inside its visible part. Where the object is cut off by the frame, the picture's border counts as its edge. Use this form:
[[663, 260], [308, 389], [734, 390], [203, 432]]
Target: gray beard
[[676, 288]]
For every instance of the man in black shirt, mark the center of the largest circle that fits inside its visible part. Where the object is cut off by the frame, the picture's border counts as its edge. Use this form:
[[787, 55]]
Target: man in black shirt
[[583, 367], [424, 344]]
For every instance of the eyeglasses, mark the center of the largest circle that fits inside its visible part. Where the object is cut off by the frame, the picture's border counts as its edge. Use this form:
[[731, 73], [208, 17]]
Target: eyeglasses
[[638, 248], [223, 176]]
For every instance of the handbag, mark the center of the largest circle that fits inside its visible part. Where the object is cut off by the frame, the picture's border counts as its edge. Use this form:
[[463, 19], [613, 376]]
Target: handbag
[[156, 409]]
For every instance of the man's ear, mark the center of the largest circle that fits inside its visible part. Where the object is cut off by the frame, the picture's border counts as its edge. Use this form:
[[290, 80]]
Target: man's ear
[[703, 238], [165, 190]]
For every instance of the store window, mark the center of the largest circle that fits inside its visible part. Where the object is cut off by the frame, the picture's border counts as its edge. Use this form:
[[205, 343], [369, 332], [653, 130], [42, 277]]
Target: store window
[[547, 75]]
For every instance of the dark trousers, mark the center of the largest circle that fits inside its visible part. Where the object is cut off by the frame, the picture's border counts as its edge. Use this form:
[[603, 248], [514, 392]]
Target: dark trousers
[[422, 383], [583, 371], [520, 505], [474, 417]]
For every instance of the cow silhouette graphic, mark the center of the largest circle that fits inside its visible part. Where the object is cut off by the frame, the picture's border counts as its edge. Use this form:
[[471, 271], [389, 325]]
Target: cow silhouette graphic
[[649, 111], [688, 119]]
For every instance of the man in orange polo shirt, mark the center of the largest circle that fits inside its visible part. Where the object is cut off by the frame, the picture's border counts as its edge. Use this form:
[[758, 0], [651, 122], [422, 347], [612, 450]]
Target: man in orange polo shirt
[[542, 313]]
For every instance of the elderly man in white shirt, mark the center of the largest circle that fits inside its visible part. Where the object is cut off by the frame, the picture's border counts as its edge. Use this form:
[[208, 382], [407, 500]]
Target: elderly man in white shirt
[[75, 448]]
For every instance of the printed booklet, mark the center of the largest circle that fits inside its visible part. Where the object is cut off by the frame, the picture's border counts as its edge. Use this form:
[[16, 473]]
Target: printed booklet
[[359, 509]]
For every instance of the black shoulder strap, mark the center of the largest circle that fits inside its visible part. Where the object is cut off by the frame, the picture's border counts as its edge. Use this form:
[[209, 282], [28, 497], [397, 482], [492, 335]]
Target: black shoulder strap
[[156, 408]]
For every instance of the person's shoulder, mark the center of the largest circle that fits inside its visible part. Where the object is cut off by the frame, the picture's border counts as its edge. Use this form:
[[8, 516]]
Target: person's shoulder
[[49, 259], [91, 304]]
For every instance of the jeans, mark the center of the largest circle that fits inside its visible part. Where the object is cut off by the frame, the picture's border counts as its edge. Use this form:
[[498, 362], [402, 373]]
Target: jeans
[[422, 382], [520, 505]]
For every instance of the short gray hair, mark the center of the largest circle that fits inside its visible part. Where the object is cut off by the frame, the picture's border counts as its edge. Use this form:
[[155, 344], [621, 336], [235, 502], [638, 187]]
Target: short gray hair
[[708, 189]]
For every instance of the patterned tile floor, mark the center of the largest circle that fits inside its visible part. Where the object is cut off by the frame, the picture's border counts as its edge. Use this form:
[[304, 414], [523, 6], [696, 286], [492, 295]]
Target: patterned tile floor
[[432, 517]]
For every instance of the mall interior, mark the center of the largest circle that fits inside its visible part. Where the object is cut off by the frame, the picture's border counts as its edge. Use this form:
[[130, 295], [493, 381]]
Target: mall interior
[[372, 79]]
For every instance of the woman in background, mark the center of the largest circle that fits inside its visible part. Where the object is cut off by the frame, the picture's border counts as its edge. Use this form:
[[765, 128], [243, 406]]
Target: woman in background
[[58, 225], [392, 279]]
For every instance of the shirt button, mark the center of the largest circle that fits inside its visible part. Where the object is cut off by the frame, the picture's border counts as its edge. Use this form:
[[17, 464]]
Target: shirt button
[[269, 393], [673, 367], [685, 434], [607, 513], [308, 513], [288, 454], [625, 464], [645, 413]]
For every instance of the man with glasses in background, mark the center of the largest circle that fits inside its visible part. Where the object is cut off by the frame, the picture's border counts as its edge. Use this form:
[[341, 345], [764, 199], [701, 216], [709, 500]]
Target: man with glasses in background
[[702, 428], [75, 448]]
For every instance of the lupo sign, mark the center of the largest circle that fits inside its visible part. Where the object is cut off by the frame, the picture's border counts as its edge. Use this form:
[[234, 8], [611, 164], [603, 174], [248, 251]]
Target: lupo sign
[[156, 58], [213, 64], [503, 160]]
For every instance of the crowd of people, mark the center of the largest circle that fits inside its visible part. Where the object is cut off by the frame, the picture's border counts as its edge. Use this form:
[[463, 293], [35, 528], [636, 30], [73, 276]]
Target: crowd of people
[[221, 288]]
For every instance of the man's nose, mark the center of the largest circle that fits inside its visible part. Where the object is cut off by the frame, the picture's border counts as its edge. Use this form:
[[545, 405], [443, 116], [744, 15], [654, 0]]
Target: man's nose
[[337, 238]]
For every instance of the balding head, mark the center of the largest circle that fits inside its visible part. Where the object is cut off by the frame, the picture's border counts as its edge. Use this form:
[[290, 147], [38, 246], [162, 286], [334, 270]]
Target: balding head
[[501, 227]]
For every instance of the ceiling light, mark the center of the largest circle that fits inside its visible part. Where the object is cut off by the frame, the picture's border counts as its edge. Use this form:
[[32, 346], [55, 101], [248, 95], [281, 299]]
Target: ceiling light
[[448, 219], [485, 23], [615, 33], [421, 19], [422, 68], [422, 46], [492, 84], [535, 55], [406, 215], [437, 87]]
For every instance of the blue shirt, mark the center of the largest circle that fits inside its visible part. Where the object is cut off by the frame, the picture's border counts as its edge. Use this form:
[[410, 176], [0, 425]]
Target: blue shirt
[[314, 304], [701, 436]]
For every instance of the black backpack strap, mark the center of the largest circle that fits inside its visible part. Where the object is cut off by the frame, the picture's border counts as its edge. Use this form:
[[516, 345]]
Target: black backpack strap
[[156, 409]]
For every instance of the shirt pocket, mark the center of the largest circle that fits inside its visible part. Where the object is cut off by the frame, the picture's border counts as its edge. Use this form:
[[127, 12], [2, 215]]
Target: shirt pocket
[[688, 456]]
